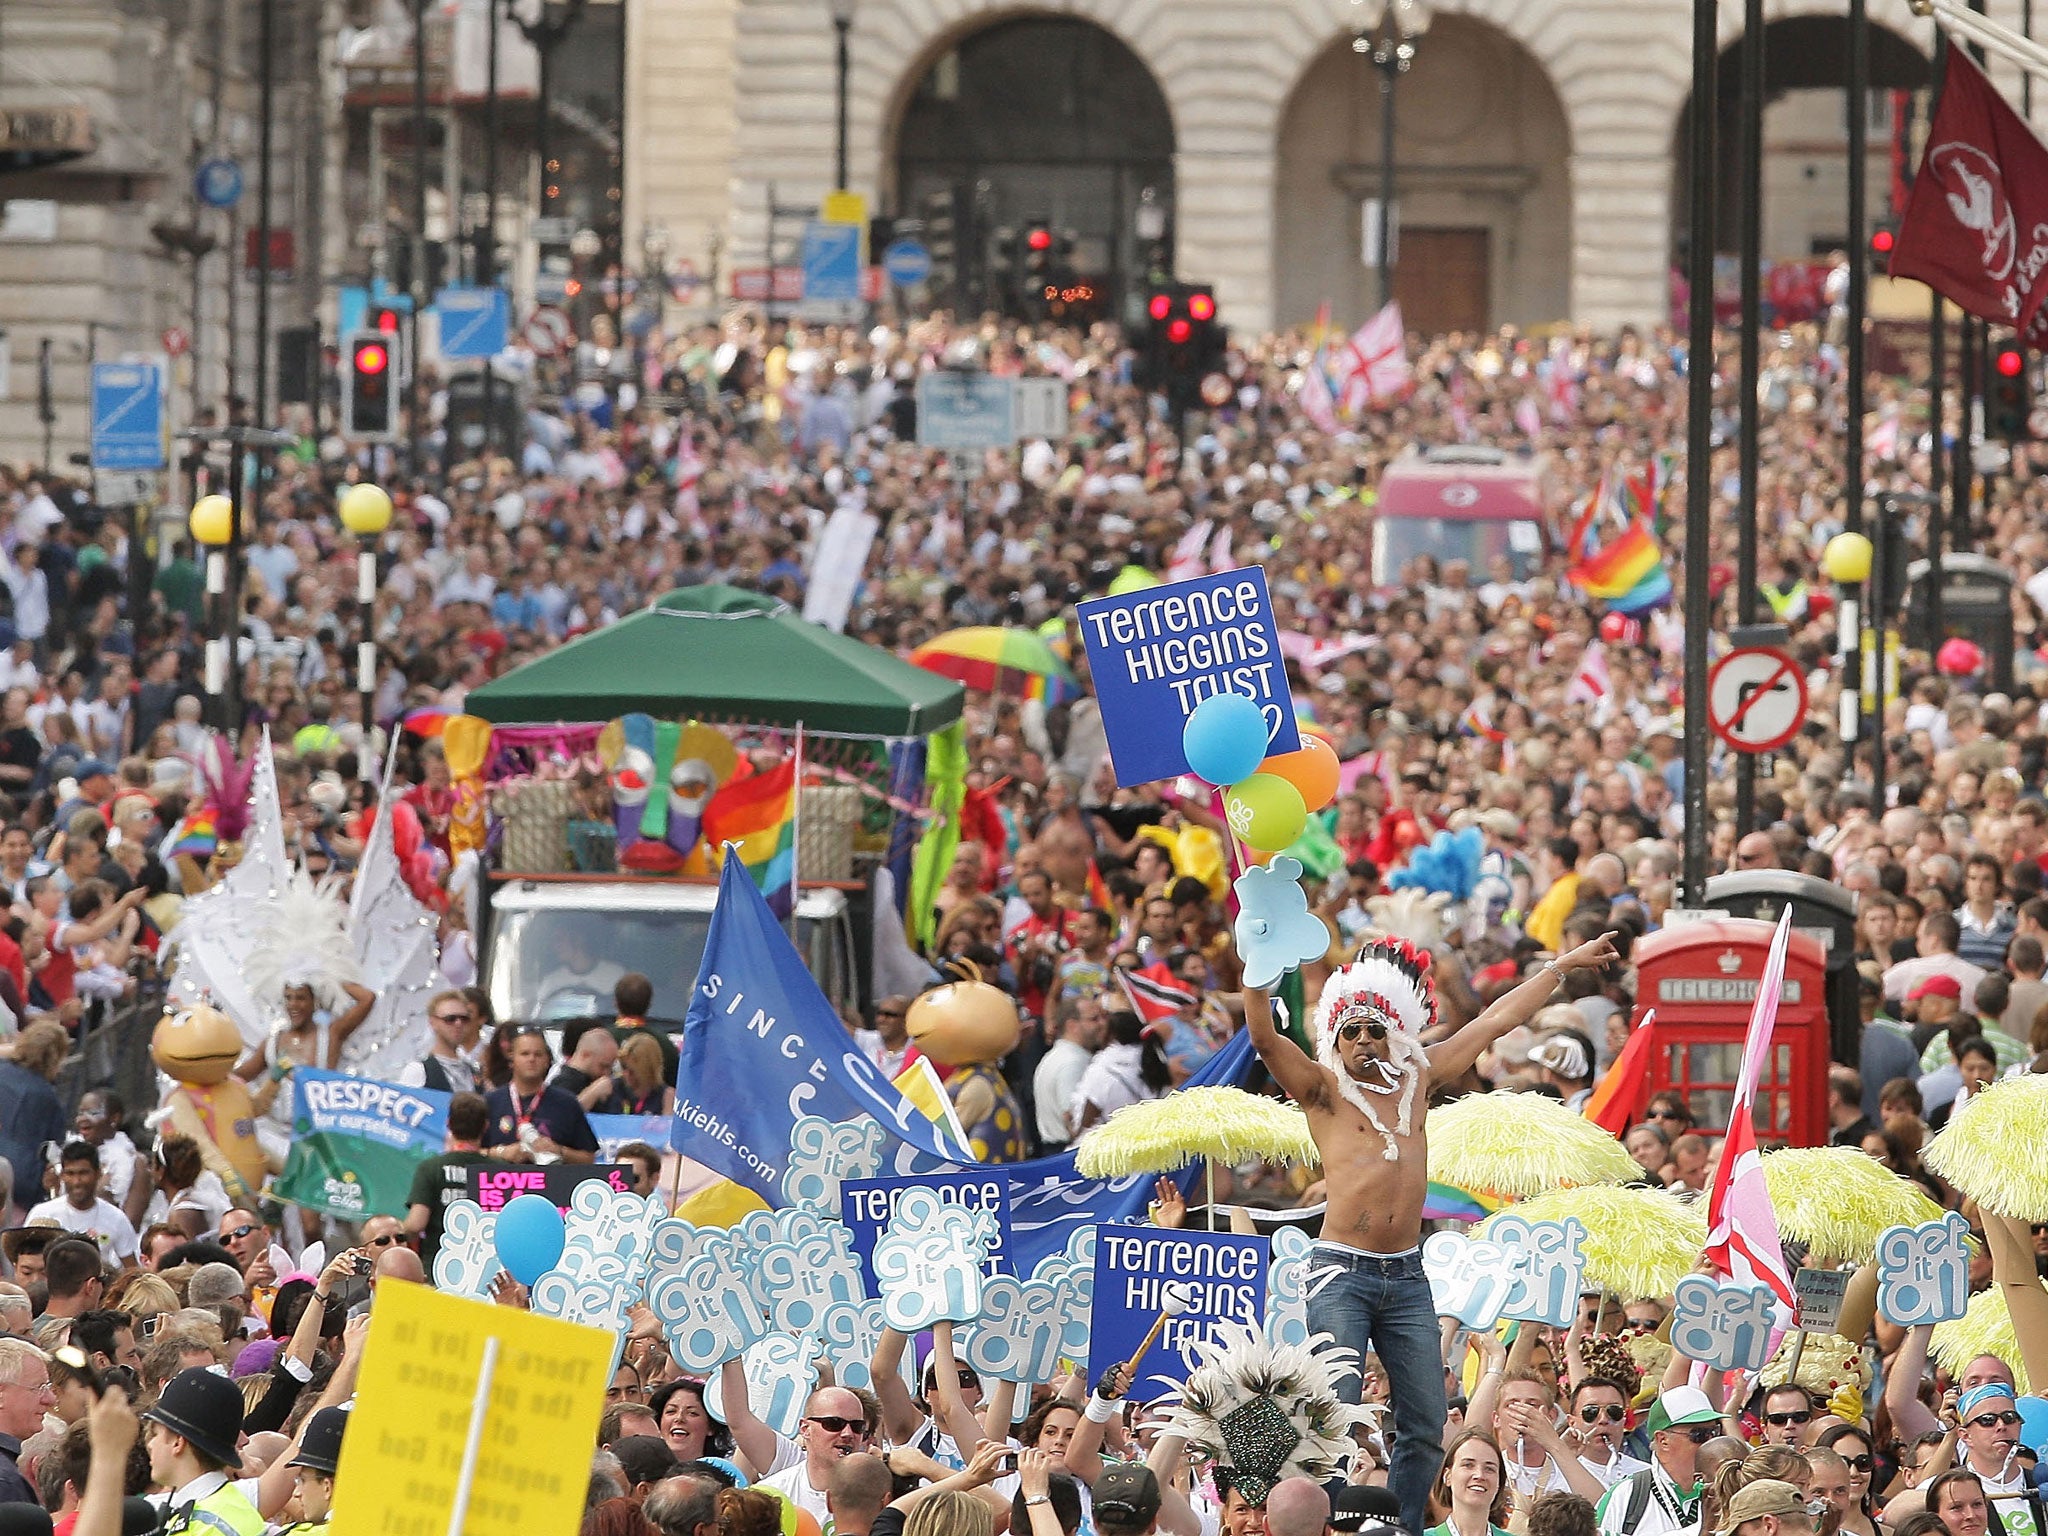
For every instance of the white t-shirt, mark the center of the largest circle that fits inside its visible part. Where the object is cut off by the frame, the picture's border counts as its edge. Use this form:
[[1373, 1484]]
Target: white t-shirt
[[103, 1223], [208, 1196], [795, 1485]]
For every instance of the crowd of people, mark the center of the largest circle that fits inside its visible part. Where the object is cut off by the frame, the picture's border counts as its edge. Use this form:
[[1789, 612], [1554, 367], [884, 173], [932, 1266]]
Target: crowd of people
[[1453, 695]]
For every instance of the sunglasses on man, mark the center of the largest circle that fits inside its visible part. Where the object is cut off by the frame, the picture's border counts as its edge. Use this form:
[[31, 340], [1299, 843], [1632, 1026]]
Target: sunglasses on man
[[1593, 1413], [1796, 1416], [832, 1424], [2004, 1420], [1351, 1031]]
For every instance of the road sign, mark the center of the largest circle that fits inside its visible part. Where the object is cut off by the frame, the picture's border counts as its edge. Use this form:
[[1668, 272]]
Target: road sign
[[831, 262], [1040, 408], [124, 487], [176, 340], [684, 281], [475, 322], [218, 183], [547, 332], [958, 410], [907, 262], [1756, 699], [127, 416]]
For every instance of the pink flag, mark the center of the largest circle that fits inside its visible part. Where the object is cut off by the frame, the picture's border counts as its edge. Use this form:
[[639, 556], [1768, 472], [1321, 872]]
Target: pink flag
[[1186, 559], [1528, 418], [1742, 1228], [1317, 403], [1590, 684], [1220, 556], [1373, 365]]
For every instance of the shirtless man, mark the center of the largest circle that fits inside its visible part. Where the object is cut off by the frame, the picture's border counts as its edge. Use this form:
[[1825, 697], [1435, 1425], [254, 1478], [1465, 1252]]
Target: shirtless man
[[1365, 1283]]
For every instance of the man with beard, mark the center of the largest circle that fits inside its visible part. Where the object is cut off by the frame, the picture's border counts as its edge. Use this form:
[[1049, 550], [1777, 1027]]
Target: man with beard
[[1366, 1092]]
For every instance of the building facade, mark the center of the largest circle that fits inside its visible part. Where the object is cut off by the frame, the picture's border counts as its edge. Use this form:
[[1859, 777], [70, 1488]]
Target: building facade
[[1538, 144]]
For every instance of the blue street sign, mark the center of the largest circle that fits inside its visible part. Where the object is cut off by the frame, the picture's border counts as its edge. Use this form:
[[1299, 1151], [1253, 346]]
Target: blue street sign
[[907, 263], [1156, 653], [475, 322], [218, 183], [964, 412], [127, 416], [831, 262]]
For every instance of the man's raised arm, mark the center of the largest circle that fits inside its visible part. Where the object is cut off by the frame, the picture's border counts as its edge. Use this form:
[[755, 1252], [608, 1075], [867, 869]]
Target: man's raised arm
[[1291, 1066], [1451, 1058]]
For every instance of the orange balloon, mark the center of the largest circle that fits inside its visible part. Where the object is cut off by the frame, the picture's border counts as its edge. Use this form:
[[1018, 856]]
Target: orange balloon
[[1312, 770]]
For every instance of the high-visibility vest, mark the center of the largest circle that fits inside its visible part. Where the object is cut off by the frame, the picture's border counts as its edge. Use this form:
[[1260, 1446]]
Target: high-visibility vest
[[1786, 605], [224, 1512]]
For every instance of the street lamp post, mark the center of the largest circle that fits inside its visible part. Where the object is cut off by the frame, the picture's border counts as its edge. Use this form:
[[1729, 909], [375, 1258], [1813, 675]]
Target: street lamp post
[[842, 26], [1846, 562], [212, 521], [1388, 34], [366, 512]]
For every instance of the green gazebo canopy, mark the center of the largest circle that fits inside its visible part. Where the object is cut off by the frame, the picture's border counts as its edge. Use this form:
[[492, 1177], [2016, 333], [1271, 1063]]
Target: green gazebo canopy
[[719, 653]]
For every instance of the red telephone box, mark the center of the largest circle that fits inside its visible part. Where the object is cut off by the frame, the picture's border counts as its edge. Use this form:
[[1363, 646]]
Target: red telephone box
[[1701, 977]]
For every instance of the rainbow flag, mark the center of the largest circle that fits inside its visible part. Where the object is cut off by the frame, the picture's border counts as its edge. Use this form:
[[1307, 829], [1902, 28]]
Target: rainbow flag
[[195, 836], [757, 815], [1616, 569], [1447, 1202]]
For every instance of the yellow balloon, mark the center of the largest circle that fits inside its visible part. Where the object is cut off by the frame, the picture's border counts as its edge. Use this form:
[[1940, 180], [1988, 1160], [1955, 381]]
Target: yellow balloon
[[365, 509], [212, 520]]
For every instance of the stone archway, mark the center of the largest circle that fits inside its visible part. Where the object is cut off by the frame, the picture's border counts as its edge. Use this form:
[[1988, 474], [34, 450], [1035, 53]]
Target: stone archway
[[1482, 153]]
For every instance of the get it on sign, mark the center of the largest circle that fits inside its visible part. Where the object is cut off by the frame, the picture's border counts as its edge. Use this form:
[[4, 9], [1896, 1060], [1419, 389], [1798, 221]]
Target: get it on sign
[[1156, 653]]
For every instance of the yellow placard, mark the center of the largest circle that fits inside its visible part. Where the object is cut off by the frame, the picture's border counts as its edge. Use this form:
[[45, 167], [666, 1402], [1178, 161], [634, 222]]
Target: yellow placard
[[844, 208], [402, 1460]]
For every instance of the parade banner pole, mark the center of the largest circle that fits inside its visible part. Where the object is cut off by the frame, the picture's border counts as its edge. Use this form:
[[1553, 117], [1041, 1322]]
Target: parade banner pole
[[474, 1445]]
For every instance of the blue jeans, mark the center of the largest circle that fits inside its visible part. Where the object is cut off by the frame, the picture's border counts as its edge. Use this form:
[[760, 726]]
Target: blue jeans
[[1366, 1301]]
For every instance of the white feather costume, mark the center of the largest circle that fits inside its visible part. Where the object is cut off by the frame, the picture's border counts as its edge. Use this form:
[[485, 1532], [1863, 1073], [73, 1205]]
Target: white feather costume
[[1387, 984], [1265, 1412]]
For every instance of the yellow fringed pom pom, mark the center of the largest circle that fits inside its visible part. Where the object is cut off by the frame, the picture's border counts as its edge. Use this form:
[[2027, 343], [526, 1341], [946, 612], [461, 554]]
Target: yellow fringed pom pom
[[1639, 1242], [1827, 1364], [1223, 1125], [1522, 1144], [1986, 1329], [1995, 1146], [1837, 1201]]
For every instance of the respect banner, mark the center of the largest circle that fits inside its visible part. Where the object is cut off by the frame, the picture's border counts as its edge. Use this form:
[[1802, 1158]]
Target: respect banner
[[355, 1143]]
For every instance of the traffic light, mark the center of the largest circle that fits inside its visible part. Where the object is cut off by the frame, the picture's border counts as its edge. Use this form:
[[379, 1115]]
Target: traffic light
[[2009, 396], [1184, 343], [940, 240], [369, 387], [1883, 241]]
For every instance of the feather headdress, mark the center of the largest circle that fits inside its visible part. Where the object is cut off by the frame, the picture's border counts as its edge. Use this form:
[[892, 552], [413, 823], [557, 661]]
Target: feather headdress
[[1266, 1412], [1387, 989], [304, 942]]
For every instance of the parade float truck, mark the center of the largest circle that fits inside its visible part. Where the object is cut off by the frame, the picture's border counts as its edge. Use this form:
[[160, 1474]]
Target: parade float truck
[[616, 770]]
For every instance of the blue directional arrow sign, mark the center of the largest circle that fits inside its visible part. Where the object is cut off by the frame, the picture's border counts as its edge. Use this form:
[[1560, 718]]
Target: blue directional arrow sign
[[831, 262], [127, 416], [218, 183], [475, 322]]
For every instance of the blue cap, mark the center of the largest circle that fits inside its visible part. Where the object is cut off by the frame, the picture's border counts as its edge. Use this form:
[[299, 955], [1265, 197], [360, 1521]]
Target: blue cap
[[90, 766]]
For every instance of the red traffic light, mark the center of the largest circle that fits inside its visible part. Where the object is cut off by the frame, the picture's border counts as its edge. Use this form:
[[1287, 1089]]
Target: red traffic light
[[2009, 362], [387, 321], [1179, 330], [371, 358], [1882, 241], [1202, 306], [1039, 239], [1160, 307]]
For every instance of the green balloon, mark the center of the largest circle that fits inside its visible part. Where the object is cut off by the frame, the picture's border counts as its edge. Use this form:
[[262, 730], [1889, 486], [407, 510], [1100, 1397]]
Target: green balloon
[[1265, 811]]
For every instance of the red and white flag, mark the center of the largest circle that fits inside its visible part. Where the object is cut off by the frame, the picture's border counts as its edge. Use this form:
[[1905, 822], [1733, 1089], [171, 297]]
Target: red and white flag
[[1373, 365], [1974, 226], [1186, 559], [1220, 557], [1590, 684], [1742, 1227], [1155, 992]]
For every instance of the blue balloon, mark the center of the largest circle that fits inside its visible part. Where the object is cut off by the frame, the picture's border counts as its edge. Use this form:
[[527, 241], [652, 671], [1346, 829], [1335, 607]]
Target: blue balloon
[[2033, 1423], [1225, 738], [529, 1237]]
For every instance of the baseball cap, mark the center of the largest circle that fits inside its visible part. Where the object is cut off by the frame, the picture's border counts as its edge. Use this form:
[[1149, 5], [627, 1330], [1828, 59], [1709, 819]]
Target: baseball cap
[[1126, 1498], [1935, 986], [1766, 1496], [90, 768], [1358, 1507], [1681, 1405]]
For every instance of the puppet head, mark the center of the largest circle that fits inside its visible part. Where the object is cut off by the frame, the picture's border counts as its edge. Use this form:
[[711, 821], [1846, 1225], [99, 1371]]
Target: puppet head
[[198, 1045], [965, 1022], [1369, 1026]]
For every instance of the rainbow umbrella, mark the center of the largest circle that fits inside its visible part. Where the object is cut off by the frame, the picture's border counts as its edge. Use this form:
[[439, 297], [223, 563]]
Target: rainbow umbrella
[[1009, 661]]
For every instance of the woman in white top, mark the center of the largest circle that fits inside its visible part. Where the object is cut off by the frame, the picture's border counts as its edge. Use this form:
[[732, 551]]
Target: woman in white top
[[189, 1195]]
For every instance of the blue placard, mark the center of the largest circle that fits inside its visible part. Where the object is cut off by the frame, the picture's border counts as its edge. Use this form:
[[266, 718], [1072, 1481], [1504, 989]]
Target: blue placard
[[1224, 1276], [907, 263], [475, 322], [831, 262], [865, 1205], [1157, 653], [127, 416], [218, 183]]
